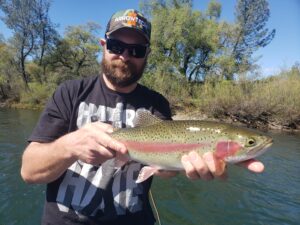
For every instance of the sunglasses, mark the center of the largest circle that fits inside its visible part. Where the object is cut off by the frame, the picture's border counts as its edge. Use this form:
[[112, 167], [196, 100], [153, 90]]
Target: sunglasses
[[118, 47]]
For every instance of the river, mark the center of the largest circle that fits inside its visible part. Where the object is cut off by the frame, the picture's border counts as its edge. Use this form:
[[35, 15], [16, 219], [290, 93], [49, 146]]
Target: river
[[272, 197]]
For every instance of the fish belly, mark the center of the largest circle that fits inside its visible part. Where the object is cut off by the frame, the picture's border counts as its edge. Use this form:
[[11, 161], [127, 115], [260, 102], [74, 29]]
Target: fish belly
[[163, 155]]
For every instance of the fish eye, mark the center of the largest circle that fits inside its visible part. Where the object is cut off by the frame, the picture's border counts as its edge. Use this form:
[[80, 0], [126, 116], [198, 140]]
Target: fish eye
[[250, 142]]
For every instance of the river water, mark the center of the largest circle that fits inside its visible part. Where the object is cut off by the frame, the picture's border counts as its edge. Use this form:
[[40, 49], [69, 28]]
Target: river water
[[272, 197]]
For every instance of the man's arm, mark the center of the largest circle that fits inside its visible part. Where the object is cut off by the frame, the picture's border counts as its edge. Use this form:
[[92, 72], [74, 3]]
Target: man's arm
[[45, 162]]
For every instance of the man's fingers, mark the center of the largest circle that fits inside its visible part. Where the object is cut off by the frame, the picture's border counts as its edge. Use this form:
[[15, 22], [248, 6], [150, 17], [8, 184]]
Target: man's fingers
[[104, 139], [105, 127], [215, 166], [206, 167], [103, 152], [253, 165], [200, 166], [189, 168], [111, 143]]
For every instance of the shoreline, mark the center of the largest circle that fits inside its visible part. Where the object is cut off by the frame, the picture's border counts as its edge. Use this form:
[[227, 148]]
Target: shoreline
[[260, 123], [14, 105]]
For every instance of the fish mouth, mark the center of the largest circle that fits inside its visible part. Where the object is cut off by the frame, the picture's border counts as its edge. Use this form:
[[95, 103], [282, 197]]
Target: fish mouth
[[257, 151], [252, 153]]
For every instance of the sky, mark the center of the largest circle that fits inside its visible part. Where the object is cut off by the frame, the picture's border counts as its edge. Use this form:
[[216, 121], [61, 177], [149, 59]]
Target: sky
[[282, 53]]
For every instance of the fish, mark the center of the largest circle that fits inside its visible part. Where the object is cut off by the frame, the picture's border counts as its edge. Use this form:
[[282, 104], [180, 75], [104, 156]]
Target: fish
[[160, 144]]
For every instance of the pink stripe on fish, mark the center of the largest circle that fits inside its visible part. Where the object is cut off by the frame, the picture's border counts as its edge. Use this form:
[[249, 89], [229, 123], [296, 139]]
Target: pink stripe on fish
[[226, 148], [161, 147]]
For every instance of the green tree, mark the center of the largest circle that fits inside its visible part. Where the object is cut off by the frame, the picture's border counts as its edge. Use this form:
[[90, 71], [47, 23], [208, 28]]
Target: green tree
[[8, 79], [47, 37], [78, 49], [251, 32], [198, 46], [29, 21], [184, 41], [214, 10], [2, 75]]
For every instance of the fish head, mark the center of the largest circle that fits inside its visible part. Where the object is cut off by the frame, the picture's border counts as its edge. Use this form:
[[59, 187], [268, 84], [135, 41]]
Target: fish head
[[242, 144]]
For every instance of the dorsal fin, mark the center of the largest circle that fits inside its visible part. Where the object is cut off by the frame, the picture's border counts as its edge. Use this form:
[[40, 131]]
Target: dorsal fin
[[144, 117]]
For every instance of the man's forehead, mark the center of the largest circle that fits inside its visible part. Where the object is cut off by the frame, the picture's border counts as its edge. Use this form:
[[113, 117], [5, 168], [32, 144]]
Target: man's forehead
[[128, 33]]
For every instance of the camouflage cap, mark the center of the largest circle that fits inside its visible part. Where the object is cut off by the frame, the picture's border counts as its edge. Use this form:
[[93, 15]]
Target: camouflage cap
[[131, 19]]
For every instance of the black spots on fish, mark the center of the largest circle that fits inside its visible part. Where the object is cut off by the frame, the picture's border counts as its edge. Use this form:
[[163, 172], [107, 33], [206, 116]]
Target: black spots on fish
[[200, 139], [156, 154], [179, 155]]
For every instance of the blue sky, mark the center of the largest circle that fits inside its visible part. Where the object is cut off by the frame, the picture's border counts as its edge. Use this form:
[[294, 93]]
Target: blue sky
[[281, 53]]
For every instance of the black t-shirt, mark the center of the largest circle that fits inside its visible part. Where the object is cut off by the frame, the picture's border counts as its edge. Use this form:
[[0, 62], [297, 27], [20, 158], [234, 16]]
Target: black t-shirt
[[87, 194]]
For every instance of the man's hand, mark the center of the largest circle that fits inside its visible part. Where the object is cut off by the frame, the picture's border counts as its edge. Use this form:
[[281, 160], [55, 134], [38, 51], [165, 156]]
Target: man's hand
[[209, 167], [92, 143], [45, 162]]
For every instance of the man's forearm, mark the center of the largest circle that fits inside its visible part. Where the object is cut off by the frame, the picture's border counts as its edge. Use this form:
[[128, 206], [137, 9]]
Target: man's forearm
[[45, 162]]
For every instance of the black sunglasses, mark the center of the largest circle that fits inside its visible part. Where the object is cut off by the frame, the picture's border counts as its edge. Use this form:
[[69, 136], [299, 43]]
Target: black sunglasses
[[118, 47]]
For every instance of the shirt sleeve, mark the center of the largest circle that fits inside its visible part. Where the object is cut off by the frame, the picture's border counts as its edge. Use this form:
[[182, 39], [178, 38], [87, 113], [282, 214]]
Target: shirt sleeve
[[55, 119], [162, 107]]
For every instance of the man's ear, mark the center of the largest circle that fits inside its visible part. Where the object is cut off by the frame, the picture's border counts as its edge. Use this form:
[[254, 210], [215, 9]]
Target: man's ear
[[102, 42]]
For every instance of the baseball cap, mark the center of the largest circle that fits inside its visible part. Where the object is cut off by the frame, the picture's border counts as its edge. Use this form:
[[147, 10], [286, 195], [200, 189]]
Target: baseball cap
[[129, 18]]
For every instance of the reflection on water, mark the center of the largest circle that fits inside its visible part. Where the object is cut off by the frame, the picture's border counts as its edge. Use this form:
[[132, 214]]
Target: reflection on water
[[246, 198]]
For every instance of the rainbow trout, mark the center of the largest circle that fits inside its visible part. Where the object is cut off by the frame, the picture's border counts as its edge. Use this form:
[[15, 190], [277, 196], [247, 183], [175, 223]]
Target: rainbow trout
[[160, 144]]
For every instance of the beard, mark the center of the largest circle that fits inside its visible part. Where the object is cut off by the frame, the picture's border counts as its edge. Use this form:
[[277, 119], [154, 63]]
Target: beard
[[121, 74]]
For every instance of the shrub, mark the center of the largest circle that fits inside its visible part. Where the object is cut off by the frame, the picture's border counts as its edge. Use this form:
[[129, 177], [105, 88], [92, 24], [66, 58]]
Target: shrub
[[37, 95]]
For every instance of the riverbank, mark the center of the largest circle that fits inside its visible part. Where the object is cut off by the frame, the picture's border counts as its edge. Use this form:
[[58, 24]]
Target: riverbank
[[262, 103], [270, 103], [17, 105], [263, 122]]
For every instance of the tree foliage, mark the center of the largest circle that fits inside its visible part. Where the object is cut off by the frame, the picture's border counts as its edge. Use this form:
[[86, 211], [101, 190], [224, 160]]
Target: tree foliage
[[251, 32], [182, 39], [78, 50], [214, 10], [32, 30], [8, 70], [197, 46], [189, 47], [47, 36]]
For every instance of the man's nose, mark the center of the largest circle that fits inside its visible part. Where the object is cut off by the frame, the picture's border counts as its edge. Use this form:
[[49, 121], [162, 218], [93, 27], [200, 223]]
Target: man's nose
[[125, 55]]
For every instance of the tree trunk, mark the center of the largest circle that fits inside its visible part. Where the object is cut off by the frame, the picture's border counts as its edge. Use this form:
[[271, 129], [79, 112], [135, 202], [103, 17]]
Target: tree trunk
[[24, 75], [4, 95]]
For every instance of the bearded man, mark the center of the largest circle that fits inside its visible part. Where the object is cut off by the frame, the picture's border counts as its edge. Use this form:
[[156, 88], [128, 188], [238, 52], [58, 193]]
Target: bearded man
[[71, 149]]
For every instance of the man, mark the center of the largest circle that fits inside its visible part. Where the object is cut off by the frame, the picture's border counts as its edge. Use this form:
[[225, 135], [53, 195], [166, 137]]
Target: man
[[71, 149]]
